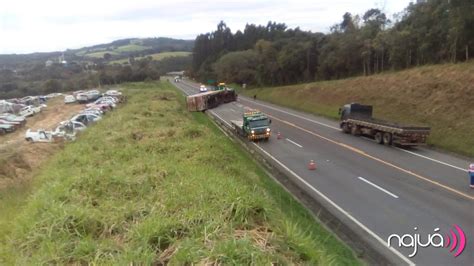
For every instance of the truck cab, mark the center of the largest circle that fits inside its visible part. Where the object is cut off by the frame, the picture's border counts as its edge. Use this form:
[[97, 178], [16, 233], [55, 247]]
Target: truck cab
[[355, 110], [256, 125], [221, 86]]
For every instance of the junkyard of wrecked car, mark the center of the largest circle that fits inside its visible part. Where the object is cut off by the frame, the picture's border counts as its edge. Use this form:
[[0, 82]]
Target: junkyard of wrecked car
[[14, 113], [96, 108]]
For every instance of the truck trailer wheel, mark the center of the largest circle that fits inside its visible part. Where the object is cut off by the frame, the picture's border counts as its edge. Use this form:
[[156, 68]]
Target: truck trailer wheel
[[3, 131], [378, 137], [345, 128], [355, 130], [387, 139]]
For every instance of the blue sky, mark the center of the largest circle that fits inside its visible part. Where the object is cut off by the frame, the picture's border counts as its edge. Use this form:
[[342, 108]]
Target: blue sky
[[52, 25]]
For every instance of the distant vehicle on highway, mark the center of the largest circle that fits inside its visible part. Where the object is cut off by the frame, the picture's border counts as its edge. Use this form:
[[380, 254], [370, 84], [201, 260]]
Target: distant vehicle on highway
[[202, 88], [176, 79], [69, 99], [357, 119]]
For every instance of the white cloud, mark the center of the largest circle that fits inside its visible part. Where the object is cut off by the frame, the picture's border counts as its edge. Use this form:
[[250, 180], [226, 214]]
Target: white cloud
[[51, 25]]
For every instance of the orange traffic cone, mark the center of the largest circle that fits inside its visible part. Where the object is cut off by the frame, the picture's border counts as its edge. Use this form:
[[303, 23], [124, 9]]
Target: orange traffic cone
[[279, 136], [312, 165]]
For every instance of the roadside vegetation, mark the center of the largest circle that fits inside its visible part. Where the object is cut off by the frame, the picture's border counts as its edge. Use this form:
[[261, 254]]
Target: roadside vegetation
[[425, 32], [439, 96], [154, 184]]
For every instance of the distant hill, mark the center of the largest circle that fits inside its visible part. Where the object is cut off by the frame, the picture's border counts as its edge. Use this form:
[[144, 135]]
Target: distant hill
[[134, 47], [119, 49]]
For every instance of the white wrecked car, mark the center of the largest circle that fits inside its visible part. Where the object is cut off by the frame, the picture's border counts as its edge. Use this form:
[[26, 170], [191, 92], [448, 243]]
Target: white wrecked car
[[69, 99], [70, 127], [47, 136], [29, 111]]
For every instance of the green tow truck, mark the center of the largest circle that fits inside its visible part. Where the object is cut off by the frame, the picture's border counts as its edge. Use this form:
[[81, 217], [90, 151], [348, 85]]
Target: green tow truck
[[254, 125]]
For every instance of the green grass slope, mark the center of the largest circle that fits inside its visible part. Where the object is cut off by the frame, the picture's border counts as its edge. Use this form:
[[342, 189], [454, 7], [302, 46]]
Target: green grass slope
[[440, 96], [156, 57], [154, 184]]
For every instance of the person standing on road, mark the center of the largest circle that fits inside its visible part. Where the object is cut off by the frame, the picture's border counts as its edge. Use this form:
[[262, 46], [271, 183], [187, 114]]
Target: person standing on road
[[471, 174]]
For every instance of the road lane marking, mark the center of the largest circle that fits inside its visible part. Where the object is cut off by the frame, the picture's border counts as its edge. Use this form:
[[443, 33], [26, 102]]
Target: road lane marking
[[376, 186], [336, 128], [294, 143], [295, 115], [434, 160], [340, 209], [337, 207], [233, 110], [436, 183]]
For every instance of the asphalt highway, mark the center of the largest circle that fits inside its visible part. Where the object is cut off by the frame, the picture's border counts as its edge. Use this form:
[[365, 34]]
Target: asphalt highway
[[384, 190]]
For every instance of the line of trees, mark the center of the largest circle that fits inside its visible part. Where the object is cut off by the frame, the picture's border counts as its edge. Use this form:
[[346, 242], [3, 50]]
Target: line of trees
[[429, 32]]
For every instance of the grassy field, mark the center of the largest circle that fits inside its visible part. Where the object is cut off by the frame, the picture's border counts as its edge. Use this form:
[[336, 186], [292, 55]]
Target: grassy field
[[440, 96], [156, 57], [130, 48], [152, 183], [98, 53]]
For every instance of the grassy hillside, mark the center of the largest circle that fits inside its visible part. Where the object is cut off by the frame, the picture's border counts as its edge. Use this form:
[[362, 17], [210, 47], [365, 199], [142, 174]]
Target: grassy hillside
[[154, 184], [156, 57], [115, 50], [125, 47], [441, 96]]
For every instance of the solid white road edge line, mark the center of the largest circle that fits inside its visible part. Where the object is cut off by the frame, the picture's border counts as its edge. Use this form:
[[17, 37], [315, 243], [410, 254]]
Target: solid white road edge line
[[370, 232], [329, 126], [376, 186], [294, 143], [434, 160]]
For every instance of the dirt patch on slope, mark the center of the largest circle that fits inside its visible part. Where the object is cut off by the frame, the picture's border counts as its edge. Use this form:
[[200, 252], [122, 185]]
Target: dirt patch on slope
[[18, 158]]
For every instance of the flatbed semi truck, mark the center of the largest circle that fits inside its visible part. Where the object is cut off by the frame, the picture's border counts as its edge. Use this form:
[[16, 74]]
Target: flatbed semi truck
[[254, 125], [357, 119]]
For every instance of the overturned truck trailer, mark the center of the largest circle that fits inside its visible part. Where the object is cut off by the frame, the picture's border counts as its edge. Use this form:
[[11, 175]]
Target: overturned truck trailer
[[208, 100]]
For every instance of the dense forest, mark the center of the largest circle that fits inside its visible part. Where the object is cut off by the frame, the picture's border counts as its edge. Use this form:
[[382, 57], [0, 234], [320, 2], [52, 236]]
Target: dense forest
[[429, 32]]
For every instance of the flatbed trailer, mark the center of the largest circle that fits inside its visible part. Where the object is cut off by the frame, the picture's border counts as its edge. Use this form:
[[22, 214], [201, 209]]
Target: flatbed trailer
[[254, 126], [357, 119]]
